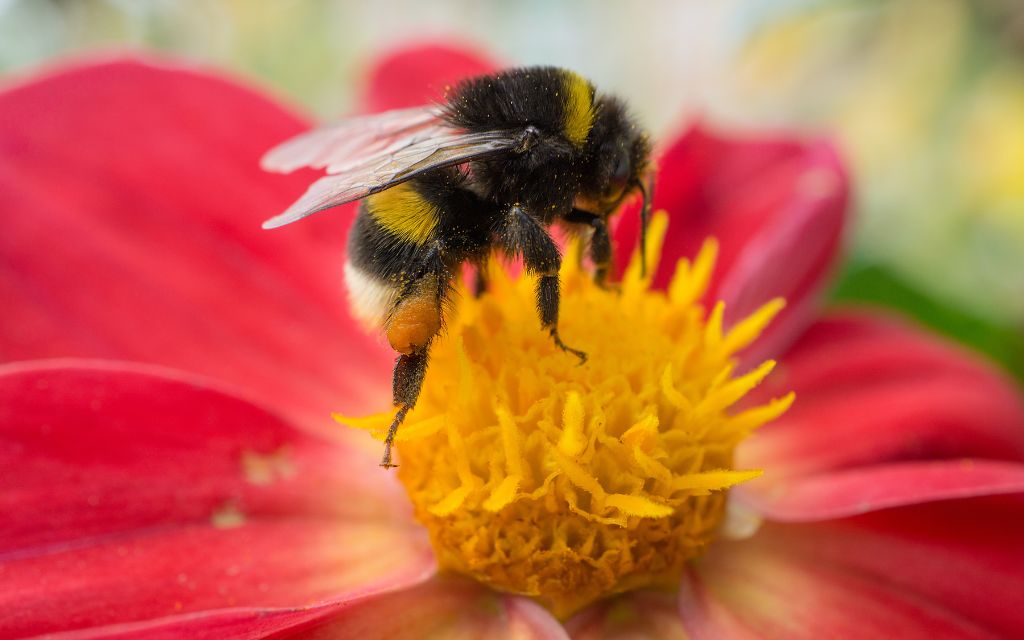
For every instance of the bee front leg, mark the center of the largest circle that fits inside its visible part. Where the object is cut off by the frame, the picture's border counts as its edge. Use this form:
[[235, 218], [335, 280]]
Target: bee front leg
[[601, 252], [522, 234], [479, 278], [600, 244]]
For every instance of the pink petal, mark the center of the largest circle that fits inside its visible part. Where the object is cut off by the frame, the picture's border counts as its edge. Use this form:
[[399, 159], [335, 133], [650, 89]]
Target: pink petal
[[128, 495], [885, 415], [285, 562], [442, 608], [465, 610], [135, 198], [92, 449], [634, 616], [942, 570], [777, 207], [420, 74], [223, 624], [853, 491]]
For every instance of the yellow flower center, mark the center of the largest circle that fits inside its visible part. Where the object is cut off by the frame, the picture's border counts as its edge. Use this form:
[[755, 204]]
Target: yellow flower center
[[566, 482]]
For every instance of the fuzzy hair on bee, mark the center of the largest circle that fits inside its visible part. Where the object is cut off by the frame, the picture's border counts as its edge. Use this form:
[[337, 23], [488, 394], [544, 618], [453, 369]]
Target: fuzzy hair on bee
[[503, 158]]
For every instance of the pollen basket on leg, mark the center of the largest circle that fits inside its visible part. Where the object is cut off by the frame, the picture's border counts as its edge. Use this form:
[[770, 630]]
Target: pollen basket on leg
[[568, 483]]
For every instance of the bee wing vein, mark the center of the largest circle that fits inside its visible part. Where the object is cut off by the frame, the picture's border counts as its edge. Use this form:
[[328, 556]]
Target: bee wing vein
[[357, 136], [391, 162]]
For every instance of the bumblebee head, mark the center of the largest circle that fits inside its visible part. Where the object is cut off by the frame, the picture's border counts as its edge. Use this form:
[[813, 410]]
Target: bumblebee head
[[616, 165], [617, 155]]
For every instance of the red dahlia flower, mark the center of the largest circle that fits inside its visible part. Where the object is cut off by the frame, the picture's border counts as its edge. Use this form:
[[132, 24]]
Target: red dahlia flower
[[167, 469]]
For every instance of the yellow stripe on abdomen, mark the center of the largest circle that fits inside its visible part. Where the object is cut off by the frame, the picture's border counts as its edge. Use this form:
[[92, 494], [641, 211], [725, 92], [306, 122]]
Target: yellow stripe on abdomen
[[405, 213], [579, 108]]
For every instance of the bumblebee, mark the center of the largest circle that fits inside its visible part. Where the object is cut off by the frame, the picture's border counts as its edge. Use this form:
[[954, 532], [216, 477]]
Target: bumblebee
[[494, 166]]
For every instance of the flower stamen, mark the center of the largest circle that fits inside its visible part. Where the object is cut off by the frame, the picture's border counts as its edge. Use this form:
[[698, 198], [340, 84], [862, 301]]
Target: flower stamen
[[570, 483]]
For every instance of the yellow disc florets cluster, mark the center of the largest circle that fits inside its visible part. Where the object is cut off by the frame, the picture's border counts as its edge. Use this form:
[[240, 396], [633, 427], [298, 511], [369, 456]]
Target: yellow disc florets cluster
[[566, 482]]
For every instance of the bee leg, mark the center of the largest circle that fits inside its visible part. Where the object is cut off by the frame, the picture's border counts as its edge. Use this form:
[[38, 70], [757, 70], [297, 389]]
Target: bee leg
[[601, 253], [406, 384], [600, 245], [412, 325], [547, 304], [523, 234], [479, 278]]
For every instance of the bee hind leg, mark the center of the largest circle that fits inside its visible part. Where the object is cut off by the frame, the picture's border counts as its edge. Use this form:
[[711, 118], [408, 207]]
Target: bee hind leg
[[407, 381], [413, 323]]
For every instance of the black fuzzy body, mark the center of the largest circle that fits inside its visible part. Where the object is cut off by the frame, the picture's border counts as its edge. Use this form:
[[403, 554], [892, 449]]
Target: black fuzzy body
[[546, 179], [543, 183], [565, 174], [464, 232]]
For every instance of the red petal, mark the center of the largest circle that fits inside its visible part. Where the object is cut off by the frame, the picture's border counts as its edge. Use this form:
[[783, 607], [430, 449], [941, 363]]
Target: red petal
[[224, 624], [128, 495], [879, 404], [420, 74], [942, 570], [447, 609], [92, 449], [442, 608], [285, 562], [633, 616], [872, 389], [135, 199], [777, 208], [849, 492]]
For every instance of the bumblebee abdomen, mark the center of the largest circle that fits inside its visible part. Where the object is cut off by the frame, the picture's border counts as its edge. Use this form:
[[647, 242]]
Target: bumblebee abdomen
[[370, 297], [403, 212], [402, 237], [383, 245]]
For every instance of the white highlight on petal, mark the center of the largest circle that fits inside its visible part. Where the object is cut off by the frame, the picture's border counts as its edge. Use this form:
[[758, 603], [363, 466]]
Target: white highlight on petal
[[741, 521]]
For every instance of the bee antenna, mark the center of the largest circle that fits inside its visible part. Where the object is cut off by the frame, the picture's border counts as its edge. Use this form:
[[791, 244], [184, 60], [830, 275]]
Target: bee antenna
[[645, 214]]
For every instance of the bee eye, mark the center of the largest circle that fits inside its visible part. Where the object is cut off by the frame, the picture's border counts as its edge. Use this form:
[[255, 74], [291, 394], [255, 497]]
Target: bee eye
[[619, 176]]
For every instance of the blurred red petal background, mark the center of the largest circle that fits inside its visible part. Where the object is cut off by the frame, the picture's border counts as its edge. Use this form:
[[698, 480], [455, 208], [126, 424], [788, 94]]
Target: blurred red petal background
[[132, 196], [150, 175]]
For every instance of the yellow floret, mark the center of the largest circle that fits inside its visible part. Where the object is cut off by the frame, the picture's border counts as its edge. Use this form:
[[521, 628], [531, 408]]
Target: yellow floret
[[566, 482]]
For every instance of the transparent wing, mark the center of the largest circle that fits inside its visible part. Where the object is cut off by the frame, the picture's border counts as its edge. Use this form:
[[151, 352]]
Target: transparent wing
[[384, 162], [333, 146]]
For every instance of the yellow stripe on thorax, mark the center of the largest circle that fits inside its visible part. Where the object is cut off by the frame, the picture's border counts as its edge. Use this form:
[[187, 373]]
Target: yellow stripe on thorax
[[404, 212], [579, 108]]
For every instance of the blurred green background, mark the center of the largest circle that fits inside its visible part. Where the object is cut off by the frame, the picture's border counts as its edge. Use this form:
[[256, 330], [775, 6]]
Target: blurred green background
[[926, 97]]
